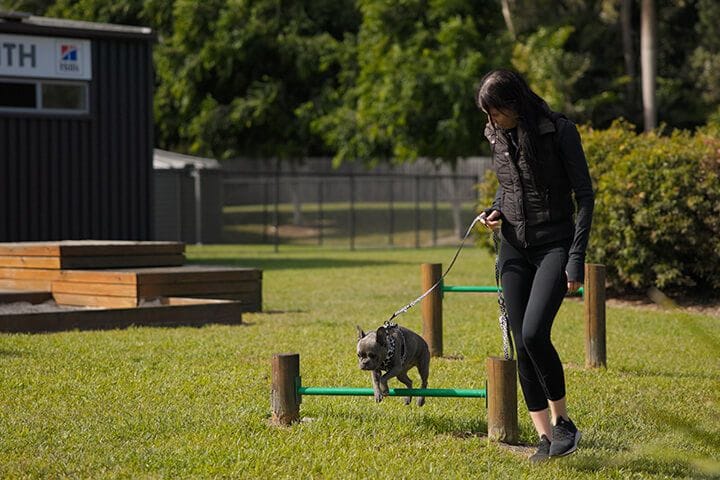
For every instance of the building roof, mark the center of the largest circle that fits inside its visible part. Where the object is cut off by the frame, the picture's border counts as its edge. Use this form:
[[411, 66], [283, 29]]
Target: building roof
[[162, 159], [24, 23]]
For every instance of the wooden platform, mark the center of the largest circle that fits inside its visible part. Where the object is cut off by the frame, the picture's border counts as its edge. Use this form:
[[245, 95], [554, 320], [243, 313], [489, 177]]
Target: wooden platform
[[132, 287], [168, 312], [121, 274], [87, 254]]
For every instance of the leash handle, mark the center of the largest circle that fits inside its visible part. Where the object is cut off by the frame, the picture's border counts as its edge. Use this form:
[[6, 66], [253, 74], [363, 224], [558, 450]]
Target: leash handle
[[442, 277]]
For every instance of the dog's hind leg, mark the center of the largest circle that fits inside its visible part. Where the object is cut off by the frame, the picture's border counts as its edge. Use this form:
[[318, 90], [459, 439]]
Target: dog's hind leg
[[424, 370], [403, 377]]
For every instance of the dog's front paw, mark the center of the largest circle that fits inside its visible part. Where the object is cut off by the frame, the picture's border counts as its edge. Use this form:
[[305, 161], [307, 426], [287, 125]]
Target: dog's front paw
[[384, 388], [378, 396]]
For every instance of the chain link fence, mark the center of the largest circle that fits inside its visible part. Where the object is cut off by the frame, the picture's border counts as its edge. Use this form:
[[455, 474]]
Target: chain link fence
[[355, 209]]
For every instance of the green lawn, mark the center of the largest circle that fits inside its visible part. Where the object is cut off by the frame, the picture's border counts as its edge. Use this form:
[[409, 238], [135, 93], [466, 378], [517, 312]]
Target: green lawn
[[194, 402], [407, 225]]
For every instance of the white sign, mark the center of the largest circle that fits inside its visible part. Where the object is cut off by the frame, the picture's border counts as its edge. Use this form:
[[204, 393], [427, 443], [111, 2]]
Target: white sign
[[45, 57]]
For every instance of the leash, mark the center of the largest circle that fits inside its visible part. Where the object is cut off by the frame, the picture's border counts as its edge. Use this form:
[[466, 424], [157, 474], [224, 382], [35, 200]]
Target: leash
[[504, 325], [508, 350], [442, 277]]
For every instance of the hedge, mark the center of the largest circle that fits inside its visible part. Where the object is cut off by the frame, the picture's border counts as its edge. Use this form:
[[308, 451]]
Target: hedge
[[657, 208]]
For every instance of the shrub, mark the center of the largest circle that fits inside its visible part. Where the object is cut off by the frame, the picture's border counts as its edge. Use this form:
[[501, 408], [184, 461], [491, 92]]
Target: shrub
[[657, 207]]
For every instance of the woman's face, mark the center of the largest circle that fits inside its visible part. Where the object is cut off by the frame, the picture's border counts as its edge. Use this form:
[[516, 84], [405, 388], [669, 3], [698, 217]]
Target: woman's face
[[503, 118]]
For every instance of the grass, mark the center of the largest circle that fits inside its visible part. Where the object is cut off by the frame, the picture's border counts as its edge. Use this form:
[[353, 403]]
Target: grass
[[194, 402], [407, 226]]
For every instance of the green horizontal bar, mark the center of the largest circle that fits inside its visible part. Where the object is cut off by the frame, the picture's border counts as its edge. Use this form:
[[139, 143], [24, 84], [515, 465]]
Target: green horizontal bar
[[489, 289], [469, 288], [394, 392]]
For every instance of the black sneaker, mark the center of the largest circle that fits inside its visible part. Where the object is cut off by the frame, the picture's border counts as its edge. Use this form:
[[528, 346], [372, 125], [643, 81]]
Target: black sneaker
[[543, 451], [565, 438]]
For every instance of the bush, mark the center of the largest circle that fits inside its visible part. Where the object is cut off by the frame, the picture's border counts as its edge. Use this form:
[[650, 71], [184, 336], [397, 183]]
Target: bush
[[657, 207]]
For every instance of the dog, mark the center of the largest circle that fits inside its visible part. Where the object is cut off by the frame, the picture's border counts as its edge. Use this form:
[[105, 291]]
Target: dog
[[394, 350]]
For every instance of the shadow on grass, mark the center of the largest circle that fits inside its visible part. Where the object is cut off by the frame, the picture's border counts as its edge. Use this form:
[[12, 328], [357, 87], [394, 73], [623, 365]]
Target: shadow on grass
[[638, 465], [638, 372], [10, 353], [291, 263], [460, 429]]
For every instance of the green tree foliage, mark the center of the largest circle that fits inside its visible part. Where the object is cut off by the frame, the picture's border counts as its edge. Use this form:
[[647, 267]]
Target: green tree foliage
[[549, 67], [705, 59], [409, 81], [235, 72], [35, 7]]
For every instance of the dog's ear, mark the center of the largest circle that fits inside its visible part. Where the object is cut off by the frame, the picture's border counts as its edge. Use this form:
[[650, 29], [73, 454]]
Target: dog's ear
[[361, 334], [381, 336]]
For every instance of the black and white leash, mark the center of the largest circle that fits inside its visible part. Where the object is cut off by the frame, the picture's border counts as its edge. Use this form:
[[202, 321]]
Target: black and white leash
[[508, 350], [507, 343]]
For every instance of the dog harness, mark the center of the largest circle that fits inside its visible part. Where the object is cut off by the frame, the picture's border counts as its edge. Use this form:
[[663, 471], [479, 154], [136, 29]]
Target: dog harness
[[388, 362]]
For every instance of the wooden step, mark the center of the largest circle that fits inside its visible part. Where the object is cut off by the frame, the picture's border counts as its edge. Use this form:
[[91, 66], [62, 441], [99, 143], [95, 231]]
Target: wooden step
[[90, 254], [89, 248], [129, 287]]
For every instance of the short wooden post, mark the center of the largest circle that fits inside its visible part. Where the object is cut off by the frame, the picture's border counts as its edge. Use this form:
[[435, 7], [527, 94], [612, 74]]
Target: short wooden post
[[284, 398], [432, 308], [502, 400], [594, 293]]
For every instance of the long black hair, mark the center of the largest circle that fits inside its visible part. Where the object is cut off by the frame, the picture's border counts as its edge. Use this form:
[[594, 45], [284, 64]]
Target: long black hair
[[507, 90]]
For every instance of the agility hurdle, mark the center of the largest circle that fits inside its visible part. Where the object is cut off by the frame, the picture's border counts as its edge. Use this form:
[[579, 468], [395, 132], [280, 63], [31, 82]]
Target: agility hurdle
[[500, 394], [593, 294]]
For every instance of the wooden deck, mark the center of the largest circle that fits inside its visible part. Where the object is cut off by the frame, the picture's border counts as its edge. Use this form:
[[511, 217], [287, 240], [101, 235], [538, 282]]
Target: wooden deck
[[90, 254], [132, 287], [122, 276]]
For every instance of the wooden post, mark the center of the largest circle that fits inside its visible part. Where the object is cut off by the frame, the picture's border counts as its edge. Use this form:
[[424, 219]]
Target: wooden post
[[594, 293], [502, 400], [432, 308], [284, 398]]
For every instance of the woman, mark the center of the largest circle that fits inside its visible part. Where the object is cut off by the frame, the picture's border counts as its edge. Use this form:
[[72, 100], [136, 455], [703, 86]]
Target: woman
[[539, 162]]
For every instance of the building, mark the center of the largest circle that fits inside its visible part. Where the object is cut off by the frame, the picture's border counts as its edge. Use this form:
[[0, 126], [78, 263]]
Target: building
[[76, 130], [188, 198]]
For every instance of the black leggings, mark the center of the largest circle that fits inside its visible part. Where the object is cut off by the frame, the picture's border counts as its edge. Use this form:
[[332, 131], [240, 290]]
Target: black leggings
[[534, 284]]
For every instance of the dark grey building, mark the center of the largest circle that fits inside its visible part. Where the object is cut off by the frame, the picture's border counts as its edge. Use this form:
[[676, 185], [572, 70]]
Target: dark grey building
[[188, 198], [76, 130]]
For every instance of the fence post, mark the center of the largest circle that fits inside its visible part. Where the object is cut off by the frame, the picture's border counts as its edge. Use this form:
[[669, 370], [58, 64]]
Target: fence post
[[351, 177], [284, 399], [594, 293], [432, 308], [502, 400], [417, 211]]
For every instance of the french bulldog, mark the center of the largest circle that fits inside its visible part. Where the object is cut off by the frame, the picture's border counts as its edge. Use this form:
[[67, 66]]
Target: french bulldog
[[394, 350]]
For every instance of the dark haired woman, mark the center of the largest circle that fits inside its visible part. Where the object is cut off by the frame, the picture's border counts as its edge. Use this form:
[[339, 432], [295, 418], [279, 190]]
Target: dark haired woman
[[540, 165]]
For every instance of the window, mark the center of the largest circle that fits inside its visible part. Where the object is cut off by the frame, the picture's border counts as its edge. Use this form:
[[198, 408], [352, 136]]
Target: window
[[43, 96], [64, 96], [18, 95]]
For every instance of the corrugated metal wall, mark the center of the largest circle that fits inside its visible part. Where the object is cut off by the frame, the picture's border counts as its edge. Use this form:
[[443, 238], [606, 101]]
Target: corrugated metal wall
[[69, 177], [176, 203]]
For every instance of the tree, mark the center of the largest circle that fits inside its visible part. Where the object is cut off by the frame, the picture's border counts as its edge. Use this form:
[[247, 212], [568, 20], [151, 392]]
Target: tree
[[409, 82], [648, 59]]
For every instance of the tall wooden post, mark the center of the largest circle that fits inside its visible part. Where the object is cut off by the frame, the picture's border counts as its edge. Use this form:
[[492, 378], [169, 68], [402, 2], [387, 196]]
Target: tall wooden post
[[594, 293], [502, 400], [432, 308], [284, 398]]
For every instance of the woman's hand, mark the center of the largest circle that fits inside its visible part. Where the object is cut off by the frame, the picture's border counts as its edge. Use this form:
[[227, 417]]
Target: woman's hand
[[573, 286], [491, 221]]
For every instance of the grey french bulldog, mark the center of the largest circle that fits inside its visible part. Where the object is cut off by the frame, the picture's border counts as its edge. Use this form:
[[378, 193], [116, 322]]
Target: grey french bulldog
[[394, 350]]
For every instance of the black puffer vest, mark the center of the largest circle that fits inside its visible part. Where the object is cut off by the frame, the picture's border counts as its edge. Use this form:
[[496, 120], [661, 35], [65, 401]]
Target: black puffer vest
[[537, 208]]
